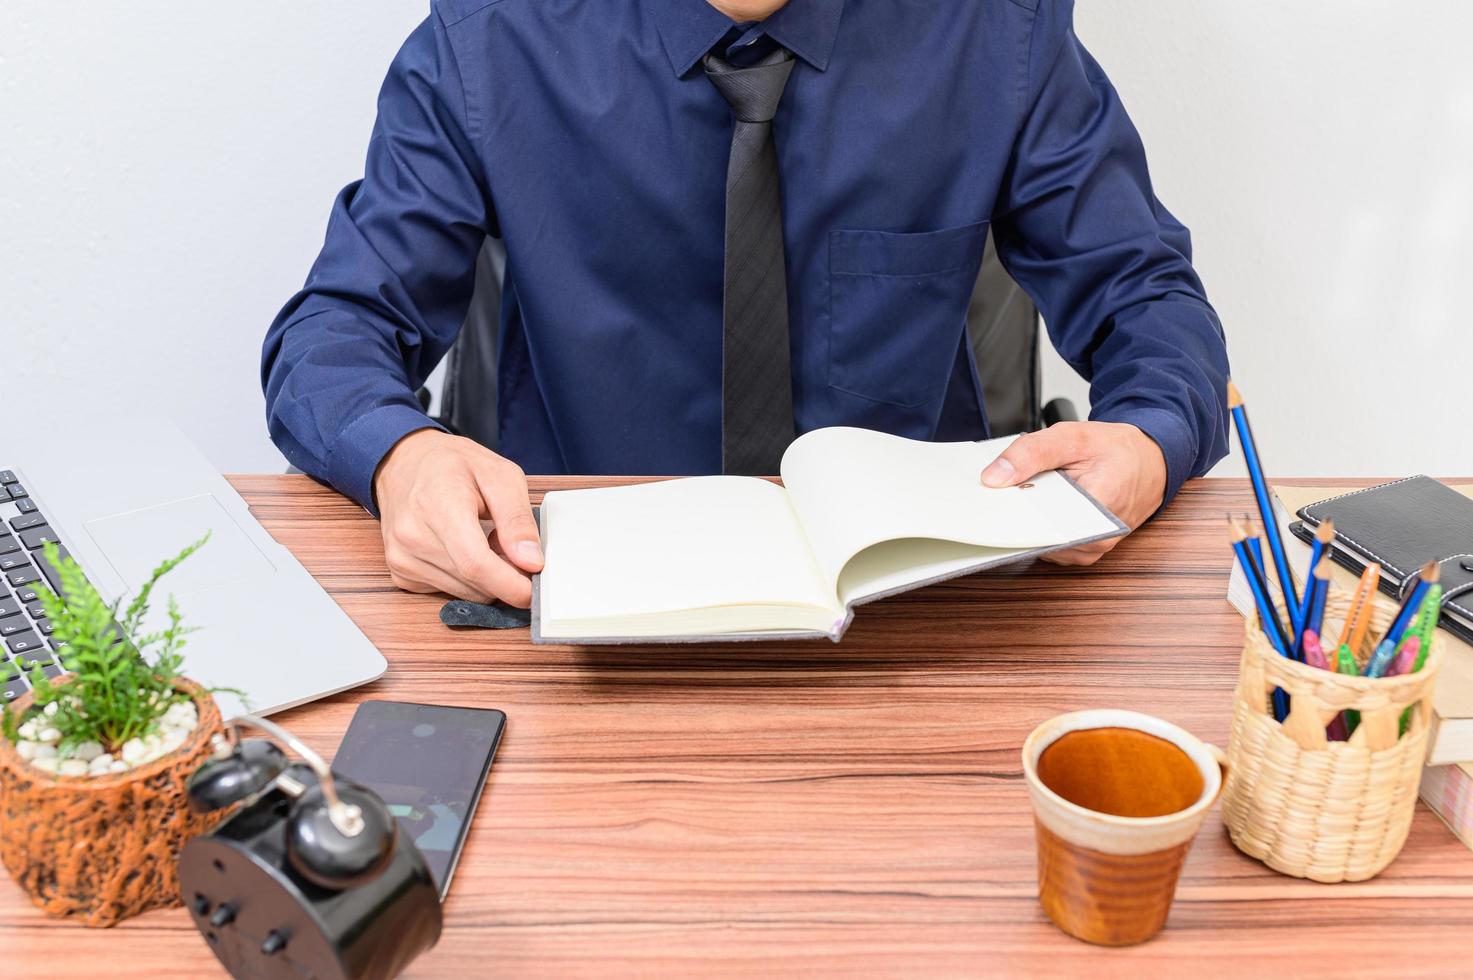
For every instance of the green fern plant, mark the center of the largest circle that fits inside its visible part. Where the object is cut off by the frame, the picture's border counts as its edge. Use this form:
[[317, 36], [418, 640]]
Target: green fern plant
[[122, 679]]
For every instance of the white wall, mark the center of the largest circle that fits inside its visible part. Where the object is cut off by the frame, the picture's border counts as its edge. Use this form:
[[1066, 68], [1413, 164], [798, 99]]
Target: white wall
[[166, 169], [1321, 151]]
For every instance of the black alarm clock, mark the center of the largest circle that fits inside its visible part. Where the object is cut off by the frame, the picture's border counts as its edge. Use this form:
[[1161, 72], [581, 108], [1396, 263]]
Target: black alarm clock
[[310, 877]]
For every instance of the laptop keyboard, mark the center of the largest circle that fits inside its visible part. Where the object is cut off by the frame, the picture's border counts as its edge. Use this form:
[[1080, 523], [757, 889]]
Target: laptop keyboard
[[25, 632]]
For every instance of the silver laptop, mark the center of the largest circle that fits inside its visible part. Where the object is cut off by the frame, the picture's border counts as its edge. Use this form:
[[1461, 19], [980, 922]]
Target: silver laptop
[[120, 498]]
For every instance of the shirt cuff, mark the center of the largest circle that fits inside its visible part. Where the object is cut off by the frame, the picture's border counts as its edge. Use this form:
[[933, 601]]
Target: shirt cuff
[[1170, 433], [365, 442]]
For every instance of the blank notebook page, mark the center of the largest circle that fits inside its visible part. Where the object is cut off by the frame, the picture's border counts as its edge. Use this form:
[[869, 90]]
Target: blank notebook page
[[682, 544]]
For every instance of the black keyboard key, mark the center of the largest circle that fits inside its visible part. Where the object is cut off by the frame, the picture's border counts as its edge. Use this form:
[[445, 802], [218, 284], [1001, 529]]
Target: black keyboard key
[[26, 505], [52, 573], [27, 521], [8, 544], [17, 491], [15, 560], [35, 610], [27, 593], [38, 536], [8, 476], [8, 606], [39, 658], [4, 495], [11, 625], [52, 671], [22, 576], [23, 643], [13, 689], [44, 625], [9, 670]]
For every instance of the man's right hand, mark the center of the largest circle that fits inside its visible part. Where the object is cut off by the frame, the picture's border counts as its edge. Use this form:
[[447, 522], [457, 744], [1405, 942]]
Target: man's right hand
[[433, 490]]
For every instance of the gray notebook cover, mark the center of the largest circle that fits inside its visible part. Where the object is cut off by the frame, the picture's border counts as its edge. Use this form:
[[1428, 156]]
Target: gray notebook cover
[[1120, 529]]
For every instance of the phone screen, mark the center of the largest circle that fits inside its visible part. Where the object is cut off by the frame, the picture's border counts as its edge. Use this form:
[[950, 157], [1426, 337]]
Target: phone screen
[[428, 763]]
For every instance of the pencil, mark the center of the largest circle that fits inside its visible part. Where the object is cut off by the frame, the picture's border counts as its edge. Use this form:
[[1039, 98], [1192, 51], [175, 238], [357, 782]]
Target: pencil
[[1407, 657], [1266, 615], [1359, 618], [1260, 494], [1314, 619], [1427, 578], [1314, 654], [1255, 551], [1349, 719], [1380, 661], [1324, 536]]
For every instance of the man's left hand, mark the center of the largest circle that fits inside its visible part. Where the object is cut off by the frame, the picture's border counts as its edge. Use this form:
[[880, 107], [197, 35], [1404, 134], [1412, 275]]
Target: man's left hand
[[1118, 464]]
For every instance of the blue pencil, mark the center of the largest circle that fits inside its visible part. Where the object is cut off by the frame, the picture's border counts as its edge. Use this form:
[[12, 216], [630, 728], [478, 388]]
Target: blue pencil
[[1319, 591], [1386, 649], [1266, 614], [1324, 535], [1265, 504]]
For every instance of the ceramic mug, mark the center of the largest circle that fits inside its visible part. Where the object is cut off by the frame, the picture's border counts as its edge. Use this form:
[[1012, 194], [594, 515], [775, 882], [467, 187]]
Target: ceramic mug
[[1117, 798]]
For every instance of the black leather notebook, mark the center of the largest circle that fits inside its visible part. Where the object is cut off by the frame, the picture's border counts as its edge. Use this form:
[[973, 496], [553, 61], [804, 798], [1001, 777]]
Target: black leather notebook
[[1403, 525]]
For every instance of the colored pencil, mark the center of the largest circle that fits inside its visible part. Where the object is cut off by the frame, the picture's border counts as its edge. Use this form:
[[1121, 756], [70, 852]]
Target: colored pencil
[[1314, 619], [1314, 654], [1266, 615], [1261, 495], [1324, 536], [1255, 548], [1345, 664], [1406, 656], [1361, 607], [1427, 628], [1427, 578]]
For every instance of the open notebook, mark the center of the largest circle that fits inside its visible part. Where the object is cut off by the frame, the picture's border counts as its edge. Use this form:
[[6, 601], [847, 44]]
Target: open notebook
[[861, 515]]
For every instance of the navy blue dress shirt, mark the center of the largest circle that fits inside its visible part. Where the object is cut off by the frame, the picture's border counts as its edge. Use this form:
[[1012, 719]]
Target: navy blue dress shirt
[[585, 135]]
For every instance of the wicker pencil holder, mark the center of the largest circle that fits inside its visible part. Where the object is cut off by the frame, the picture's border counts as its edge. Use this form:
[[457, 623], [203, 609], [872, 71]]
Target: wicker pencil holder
[[1309, 807]]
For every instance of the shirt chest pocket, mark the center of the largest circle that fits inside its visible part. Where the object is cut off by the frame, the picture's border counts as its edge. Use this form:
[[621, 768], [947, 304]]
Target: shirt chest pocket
[[898, 308]]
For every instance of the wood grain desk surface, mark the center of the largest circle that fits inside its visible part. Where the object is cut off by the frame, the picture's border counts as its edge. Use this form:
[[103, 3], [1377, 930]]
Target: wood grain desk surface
[[819, 808]]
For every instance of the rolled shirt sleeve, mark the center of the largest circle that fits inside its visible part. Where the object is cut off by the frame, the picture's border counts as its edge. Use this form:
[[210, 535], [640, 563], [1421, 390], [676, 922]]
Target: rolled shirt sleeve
[[389, 291], [1079, 227]]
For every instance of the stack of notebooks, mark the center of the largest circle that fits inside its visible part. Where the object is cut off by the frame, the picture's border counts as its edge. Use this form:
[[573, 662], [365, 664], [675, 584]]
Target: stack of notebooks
[[1401, 525]]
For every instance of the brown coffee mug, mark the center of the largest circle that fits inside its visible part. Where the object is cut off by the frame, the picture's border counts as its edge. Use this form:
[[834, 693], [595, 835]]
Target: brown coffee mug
[[1117, 798]]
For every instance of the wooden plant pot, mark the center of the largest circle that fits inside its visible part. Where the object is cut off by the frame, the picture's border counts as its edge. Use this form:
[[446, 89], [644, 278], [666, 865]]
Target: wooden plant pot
[[103, 848]]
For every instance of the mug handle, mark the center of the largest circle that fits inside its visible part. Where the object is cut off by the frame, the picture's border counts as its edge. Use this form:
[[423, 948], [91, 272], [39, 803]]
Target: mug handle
[[1222, 763]]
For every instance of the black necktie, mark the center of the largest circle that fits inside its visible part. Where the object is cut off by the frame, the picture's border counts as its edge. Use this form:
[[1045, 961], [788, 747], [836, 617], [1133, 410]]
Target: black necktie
[[756, 376]]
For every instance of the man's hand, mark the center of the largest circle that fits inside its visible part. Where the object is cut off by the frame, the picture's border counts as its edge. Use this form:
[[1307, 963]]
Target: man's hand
[[433, 490], [1118, 464]]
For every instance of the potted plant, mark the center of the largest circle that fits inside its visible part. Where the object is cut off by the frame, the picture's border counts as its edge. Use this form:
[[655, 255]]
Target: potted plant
[[93, 764]]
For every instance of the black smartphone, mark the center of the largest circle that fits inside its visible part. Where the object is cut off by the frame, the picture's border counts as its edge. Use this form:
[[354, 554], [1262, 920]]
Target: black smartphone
[[429, 763]]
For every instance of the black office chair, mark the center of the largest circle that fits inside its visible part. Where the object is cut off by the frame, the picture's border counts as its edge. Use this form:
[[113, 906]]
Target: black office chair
[[1001, 321]]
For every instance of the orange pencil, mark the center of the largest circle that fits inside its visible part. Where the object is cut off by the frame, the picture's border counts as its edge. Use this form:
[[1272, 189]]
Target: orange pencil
[[1358, 620]]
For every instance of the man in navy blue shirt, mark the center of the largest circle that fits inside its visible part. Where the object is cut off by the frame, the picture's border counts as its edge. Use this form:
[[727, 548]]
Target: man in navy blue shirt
[[593, 137]]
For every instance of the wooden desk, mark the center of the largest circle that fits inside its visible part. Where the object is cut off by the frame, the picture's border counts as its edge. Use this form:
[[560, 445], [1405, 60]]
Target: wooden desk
[[819, 808]]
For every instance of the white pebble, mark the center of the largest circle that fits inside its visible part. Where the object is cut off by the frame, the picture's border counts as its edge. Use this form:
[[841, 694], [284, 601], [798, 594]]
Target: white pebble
[[133, 750], [87, 751], [29, 730], [119, 766], [44, 750], [51, 709], [102, 761], [50, 735], [72, 767], [26, 749], [48, 764]]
